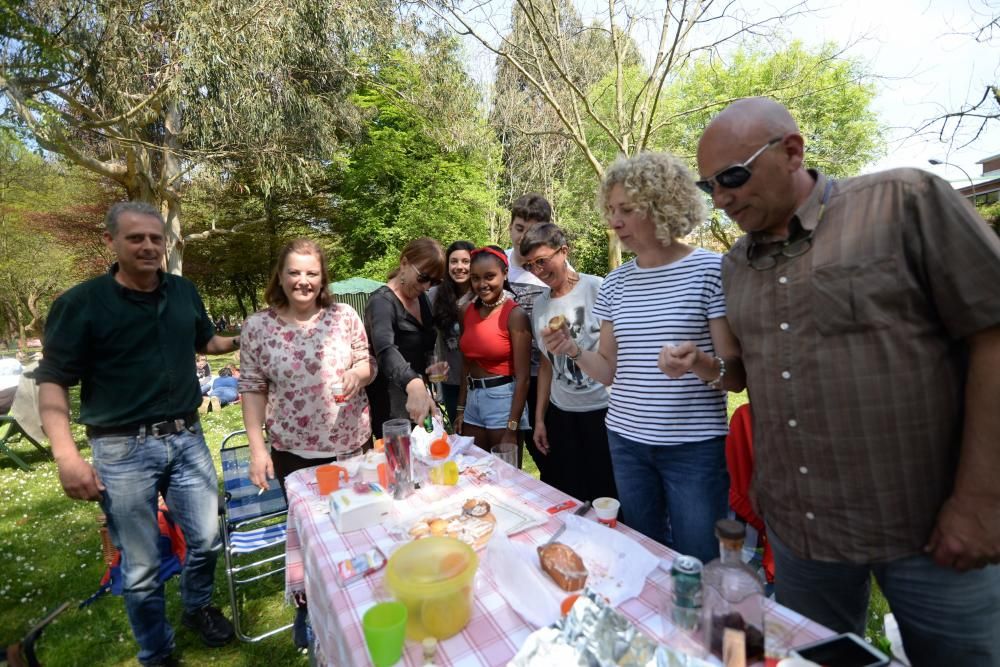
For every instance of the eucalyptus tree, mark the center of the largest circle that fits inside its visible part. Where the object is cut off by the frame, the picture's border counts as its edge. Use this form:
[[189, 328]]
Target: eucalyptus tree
[[644, 48], [147, 93]]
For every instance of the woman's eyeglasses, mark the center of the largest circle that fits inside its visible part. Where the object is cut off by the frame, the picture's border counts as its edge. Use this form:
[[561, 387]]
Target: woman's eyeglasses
[[540, 263], [423, 278], [736, 175]]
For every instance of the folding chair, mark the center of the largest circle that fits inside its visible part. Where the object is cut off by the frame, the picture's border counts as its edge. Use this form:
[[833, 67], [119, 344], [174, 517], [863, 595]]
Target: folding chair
[[22, 422], [252, 527]]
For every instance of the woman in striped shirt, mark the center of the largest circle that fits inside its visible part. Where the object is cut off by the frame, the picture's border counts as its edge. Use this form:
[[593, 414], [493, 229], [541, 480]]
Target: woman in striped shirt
[[667, 436]]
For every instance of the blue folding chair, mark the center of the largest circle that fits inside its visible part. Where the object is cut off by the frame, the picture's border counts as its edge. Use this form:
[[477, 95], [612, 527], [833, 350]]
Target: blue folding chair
[[253, 529]]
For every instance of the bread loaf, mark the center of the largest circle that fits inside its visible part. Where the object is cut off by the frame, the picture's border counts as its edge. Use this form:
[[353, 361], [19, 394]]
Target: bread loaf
[[564, 566]]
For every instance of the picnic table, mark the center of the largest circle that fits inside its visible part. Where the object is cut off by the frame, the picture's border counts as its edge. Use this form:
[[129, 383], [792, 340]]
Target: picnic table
[[496, 632]]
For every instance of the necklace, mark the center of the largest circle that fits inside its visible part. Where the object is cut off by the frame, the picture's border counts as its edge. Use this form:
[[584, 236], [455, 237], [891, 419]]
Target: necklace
[[484, 304]]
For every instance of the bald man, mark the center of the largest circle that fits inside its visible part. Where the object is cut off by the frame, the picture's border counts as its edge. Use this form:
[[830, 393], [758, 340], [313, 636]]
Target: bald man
[[868, 311]]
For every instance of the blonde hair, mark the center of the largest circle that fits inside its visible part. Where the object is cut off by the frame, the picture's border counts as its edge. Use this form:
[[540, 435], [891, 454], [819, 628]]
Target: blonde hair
[[660, 185]]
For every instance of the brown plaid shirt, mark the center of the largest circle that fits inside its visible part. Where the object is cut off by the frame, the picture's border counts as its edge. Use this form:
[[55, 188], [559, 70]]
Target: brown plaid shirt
[[856, 362]]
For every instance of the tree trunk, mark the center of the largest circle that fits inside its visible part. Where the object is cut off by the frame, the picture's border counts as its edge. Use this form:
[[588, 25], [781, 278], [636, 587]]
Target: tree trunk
[[169, 179]]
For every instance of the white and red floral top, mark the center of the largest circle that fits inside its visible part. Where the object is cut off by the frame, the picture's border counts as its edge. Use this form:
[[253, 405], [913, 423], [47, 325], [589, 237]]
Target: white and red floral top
[[298, 367]]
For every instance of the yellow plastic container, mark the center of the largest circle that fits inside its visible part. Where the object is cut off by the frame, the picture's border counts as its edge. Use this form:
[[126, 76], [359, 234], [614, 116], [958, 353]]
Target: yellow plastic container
[[446, 473], [433, 577]]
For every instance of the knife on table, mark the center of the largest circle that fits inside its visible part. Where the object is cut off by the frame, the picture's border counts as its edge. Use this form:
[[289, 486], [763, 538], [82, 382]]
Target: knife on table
[[579, 511]]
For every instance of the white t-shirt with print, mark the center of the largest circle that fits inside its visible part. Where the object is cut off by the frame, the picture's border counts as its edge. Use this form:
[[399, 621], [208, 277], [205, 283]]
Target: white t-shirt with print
[[572, 389]]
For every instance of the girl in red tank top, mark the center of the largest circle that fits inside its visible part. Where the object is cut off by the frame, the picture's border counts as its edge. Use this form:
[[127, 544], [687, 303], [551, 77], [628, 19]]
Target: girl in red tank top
[[496, 353]]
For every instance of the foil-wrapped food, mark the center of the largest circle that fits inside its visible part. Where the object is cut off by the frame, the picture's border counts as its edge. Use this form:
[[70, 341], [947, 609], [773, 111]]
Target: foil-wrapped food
[[594, 634]]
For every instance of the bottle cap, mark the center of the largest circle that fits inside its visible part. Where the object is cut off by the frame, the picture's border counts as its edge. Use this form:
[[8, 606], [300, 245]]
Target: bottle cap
[[728, 529], [430, 645]]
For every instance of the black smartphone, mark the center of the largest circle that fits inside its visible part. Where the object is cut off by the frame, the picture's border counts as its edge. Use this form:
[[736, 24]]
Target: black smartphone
[[846, 650]]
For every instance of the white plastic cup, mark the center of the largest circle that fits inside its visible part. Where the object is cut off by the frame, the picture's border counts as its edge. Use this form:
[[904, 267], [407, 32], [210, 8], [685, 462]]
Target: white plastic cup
[[607, 511]]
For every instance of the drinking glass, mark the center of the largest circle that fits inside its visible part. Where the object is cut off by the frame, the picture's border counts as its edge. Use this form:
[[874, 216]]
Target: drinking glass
[[507, 453]]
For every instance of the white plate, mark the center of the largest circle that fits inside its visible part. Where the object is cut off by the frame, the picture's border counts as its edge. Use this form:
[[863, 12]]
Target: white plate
[[512, 515]]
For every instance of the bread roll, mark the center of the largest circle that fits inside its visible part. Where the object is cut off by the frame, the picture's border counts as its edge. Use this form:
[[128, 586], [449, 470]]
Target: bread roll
[[564, 566]]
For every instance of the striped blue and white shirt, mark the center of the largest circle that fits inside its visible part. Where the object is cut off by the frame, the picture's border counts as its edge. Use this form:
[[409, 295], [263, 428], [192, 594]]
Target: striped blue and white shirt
[[648, 309]]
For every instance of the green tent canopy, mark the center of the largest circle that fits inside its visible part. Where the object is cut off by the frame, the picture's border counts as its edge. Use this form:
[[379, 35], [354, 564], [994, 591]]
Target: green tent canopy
[[354, 292], [355, 286]]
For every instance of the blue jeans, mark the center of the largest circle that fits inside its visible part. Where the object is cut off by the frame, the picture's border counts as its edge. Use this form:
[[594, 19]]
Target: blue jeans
[[134, 469], [945, 617], [673, 494], [226, 395]]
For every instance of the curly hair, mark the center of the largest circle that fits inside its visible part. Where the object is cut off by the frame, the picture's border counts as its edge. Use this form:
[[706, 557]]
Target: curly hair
[[660, 185]]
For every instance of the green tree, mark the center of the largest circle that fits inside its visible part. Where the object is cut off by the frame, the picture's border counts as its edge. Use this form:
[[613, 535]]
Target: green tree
[[829, 95], [144, 94], [35, 262], [423, 166]]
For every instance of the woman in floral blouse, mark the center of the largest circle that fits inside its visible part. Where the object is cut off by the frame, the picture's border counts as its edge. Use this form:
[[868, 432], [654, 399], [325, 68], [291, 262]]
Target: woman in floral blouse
[[305, 364]]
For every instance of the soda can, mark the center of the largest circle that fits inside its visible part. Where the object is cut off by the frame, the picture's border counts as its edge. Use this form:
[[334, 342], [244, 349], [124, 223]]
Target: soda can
[[685, 575]]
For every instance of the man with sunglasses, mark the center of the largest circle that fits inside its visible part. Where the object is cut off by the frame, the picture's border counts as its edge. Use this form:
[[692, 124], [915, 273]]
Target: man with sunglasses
[[868, 314]]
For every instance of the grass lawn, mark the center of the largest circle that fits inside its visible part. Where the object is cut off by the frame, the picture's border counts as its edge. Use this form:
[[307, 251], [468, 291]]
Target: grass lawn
[[50, 552]]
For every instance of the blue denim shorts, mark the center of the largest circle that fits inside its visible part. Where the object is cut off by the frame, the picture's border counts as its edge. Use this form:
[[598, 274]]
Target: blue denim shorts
[[490, 407]]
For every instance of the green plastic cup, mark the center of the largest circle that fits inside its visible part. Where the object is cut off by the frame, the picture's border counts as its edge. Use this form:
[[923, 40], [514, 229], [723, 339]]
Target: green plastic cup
[[385, 630]]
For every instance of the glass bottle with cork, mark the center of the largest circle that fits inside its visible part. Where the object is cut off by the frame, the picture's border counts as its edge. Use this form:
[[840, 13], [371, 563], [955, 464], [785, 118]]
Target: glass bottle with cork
[[732, 601]]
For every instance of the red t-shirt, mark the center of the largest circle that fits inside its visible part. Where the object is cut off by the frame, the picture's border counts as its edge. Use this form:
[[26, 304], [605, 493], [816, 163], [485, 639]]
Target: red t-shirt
[[487, 341]]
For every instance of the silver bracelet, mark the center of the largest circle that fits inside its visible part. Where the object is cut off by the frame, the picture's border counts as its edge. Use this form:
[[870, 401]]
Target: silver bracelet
[[579, 351], [717, 382]]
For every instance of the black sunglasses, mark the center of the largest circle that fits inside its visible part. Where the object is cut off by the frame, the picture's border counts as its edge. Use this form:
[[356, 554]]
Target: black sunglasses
[[769, 259], [735, 175], [798, 244], [423, 278]]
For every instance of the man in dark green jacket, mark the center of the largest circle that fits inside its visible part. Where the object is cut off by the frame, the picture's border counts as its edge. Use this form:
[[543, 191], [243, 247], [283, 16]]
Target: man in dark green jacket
[[129, 337]]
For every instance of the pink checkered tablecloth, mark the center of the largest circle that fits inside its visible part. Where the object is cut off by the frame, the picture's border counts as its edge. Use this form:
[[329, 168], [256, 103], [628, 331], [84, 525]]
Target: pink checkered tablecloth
[[496, 631]]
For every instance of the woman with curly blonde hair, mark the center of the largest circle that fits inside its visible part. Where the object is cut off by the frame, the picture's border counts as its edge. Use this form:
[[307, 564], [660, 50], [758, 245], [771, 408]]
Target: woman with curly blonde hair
[[667, 435]]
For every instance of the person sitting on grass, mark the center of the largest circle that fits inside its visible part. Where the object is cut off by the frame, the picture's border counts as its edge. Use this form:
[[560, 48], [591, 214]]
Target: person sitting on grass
[[224, 387]]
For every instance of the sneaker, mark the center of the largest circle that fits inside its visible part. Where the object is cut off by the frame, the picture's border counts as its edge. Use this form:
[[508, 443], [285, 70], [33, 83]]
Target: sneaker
[[169, 661], [214, 628]]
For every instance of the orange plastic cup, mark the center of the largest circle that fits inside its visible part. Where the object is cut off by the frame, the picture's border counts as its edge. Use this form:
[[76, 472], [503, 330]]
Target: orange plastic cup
[[329, 477]]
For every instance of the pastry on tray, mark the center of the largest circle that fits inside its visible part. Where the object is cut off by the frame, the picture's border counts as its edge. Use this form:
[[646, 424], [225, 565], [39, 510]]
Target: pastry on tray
[[473, 523], [564, 566]]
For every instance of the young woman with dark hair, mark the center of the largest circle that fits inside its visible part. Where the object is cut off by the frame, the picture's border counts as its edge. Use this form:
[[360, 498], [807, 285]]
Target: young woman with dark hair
[[448, 302], [496, 351]]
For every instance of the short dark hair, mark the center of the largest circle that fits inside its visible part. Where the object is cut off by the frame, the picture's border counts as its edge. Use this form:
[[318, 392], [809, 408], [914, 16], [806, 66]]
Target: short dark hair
[[275, 296], [547, 234], [138, 207], [532, 207]]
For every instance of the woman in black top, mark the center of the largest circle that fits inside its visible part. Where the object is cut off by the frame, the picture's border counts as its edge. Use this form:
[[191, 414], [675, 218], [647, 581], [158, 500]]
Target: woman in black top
[[401, 333]]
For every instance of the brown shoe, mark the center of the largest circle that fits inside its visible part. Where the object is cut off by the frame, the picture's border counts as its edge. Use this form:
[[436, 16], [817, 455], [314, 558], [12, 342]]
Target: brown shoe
[[206, 404], [216, 404]]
